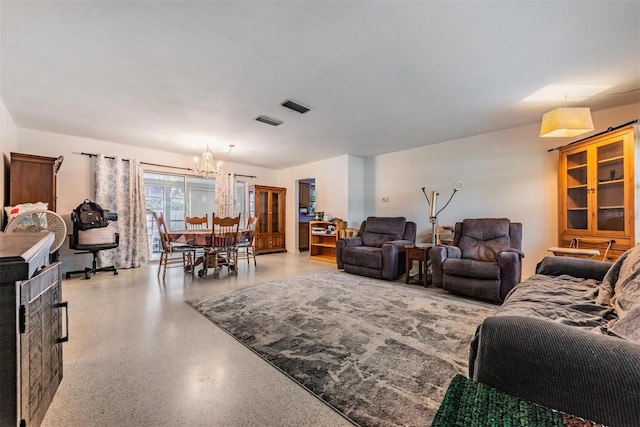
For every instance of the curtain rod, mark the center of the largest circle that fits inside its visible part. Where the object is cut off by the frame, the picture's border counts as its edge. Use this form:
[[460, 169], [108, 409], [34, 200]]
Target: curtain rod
[[597, 134], [157, 164]]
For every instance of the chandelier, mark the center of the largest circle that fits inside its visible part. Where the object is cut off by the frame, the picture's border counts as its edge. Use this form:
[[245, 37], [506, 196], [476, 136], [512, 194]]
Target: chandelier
[[207, 165]]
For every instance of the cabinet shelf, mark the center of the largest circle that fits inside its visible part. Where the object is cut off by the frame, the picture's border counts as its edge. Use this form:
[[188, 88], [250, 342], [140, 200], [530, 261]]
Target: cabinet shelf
[[611, 159], [611, 182], [322, 245], [577, 209], [577, 187], [574, 167]]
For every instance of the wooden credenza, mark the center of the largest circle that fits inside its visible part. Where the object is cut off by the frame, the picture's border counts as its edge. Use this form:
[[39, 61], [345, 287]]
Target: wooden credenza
[[598, 191], [267, 204], [30, 328]]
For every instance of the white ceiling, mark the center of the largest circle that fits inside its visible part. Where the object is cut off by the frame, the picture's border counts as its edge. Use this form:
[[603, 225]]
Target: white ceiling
[[379, 76]]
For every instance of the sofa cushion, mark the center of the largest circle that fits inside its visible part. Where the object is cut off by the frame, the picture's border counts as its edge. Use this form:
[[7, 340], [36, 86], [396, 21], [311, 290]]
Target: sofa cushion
[[365, 256], [471, 268], [622, 282], [627, 284], [562, 299], [377, 240], [482, 239], [379, 230]]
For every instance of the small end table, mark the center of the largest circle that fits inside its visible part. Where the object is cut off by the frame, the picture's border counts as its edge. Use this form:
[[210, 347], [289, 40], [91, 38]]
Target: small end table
[[418, 253]]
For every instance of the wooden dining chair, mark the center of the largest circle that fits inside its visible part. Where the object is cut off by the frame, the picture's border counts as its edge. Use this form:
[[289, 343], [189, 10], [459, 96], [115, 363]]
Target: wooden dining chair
[[196, 222], [170, 248], [246, 245], [223, 251]]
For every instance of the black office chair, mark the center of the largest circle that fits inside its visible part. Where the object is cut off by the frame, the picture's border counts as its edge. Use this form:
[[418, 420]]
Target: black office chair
[[92, 247]]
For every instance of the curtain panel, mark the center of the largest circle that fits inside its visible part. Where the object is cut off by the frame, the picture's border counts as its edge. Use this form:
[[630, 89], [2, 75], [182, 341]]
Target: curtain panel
[[225, 201], [120, 189]]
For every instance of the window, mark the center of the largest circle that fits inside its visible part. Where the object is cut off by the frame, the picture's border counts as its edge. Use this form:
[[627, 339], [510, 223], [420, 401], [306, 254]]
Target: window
[[178, 195]]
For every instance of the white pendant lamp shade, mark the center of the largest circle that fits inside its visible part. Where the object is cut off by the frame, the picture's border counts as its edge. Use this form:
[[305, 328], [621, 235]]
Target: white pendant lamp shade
[[566, 122]]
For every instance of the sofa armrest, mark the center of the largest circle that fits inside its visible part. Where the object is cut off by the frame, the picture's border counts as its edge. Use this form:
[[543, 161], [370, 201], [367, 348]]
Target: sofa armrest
[[576, 267], [562, 367], [437, 255], [343, 243]]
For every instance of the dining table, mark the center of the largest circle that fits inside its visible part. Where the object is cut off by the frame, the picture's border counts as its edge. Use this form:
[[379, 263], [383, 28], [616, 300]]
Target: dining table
[[202, 238]]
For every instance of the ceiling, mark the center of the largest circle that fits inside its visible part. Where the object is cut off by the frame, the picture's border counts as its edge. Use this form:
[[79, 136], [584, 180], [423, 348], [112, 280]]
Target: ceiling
[[378, 76]]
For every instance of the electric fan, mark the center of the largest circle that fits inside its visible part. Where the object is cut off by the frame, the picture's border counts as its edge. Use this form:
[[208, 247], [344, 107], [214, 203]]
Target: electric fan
[[40, 220]]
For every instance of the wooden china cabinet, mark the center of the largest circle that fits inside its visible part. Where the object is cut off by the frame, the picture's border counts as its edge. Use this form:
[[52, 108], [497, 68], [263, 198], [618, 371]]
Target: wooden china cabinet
[[268, 205], [597, 192]]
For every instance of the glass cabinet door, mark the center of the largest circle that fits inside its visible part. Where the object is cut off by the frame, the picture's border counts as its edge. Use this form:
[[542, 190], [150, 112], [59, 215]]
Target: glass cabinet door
[[577, 191], [610, 215], [275, 212], [263, 216]]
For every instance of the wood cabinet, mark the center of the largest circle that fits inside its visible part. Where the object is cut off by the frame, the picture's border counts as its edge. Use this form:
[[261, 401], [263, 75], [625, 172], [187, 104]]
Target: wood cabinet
[[30, 328], [33, 179], [267, 204], [304, 190], [322, 242], [303, 236], [597, 192]]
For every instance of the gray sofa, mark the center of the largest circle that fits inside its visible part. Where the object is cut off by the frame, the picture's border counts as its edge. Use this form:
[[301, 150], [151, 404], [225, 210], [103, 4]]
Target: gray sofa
[[378, 250], [568, 338]]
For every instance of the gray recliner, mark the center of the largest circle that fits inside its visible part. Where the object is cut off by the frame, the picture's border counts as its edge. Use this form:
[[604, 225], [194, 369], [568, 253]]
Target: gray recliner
[[378, 250], [484, 261]]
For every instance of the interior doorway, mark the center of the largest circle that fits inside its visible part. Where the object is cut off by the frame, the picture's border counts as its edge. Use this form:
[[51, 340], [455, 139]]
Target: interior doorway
[[306, 210]]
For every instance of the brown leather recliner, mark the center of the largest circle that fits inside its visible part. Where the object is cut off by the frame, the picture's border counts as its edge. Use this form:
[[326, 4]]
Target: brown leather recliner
[[484, 261]]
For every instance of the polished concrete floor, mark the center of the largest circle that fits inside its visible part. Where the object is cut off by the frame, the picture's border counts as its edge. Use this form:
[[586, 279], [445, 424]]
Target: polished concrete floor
[[139, 356]]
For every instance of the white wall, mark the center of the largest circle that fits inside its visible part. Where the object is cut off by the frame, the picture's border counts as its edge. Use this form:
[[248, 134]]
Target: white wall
[[505, 174], [8, 144], [76, 176], [332, 180]]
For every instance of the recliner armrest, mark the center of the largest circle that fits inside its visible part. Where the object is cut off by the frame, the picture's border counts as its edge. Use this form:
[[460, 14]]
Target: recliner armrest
[[392, 255], [343, 243], [349, 241], [519, 252], [437, 255]]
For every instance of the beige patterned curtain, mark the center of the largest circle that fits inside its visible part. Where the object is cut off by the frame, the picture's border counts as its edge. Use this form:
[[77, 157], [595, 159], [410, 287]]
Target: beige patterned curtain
[[120, 189], [225, 203]]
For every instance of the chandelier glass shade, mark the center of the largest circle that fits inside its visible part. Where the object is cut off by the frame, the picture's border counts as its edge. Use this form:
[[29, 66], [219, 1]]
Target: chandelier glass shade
[[566, 122], [206, 165]]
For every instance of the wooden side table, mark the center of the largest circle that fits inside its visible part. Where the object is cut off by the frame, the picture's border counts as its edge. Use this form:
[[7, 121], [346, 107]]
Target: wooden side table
[[418, 253]]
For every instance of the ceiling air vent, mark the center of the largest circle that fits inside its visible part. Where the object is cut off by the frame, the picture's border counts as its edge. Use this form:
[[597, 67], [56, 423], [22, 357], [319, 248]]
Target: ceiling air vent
[[269, 120], [293, 105]]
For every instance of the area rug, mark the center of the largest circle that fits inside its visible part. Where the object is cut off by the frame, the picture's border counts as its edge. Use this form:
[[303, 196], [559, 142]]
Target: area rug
[[380, 353]]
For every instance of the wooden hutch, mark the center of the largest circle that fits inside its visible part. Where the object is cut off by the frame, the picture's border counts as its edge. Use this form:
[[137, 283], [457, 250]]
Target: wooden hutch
[[597, 192], [268, 205]]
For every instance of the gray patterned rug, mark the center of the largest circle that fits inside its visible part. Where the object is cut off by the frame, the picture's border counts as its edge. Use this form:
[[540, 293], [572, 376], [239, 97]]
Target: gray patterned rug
[[380, 353]]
